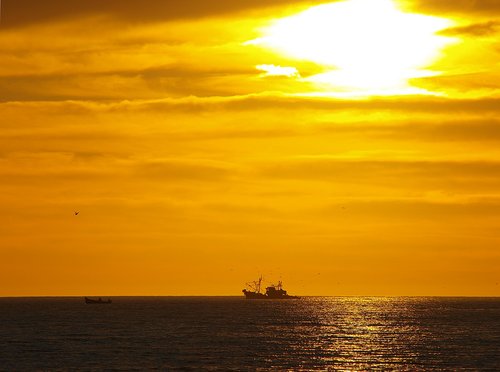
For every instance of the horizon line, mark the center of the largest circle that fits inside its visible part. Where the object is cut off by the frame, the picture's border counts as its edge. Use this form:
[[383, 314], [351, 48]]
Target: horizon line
[[243, 297]]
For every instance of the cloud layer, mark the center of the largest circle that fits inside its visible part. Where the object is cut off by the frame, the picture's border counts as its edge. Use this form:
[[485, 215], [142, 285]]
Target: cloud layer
[[187, 162]]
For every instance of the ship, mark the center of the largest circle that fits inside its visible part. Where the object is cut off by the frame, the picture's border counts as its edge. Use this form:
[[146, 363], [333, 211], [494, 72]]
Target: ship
[[98, 301], [273, 292]]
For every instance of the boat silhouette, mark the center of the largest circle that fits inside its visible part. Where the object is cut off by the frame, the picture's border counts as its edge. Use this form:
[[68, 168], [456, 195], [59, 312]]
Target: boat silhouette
[[98, 301], [273, 292]]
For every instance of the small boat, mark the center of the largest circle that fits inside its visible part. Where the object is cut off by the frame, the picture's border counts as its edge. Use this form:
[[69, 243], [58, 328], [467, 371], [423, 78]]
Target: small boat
[[273, 292], [98, 301]]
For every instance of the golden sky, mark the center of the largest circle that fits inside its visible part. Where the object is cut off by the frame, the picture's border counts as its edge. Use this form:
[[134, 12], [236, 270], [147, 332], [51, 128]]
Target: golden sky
[[346, 147]]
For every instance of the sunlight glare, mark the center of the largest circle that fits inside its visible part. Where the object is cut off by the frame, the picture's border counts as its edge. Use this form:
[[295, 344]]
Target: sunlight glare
[[365, 45], [272, 70]]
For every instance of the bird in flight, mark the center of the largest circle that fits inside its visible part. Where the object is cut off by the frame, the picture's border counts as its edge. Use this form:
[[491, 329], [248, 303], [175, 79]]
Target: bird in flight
[[76, 213]]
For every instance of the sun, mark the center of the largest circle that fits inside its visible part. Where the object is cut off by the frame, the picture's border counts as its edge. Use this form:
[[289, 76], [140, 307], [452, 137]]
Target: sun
[[366, 46]]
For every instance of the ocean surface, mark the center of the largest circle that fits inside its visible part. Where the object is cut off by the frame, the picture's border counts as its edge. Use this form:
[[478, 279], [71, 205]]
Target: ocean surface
[[234, 334]]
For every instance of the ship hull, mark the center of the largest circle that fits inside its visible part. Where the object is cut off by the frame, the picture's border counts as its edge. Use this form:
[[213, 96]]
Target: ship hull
[[273, 292], [260, 296], [254, 295]]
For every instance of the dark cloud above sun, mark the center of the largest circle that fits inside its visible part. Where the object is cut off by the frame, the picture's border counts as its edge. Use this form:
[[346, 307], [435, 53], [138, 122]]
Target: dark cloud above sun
[[18, 13]]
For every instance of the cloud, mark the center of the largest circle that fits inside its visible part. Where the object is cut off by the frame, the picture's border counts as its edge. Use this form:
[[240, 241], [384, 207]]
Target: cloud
[[100, 59], [268, 101], [112, 85], [17, 13], [150, 118], [454, 7], [485, 130], [264, 102], [200, 170], [473, 84], [396, 174], [416, 209], [475, 29]]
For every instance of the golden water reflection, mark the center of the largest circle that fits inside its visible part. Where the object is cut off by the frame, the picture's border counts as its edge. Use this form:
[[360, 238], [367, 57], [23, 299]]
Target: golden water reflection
[[360, 333]]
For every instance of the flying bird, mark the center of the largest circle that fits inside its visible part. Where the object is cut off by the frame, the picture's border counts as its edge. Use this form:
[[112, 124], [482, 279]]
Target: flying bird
[[76, 213]]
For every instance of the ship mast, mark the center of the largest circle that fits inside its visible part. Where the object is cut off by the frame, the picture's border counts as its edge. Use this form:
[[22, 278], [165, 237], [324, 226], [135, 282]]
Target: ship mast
[[255, 286], [259, 283]]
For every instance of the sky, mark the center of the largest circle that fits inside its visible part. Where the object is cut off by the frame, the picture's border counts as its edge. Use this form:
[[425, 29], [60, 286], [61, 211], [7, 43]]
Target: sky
[[347, 148]]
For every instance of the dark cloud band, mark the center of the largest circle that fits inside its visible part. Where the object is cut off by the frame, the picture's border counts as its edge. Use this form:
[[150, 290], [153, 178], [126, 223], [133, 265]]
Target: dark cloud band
[[16, 13]]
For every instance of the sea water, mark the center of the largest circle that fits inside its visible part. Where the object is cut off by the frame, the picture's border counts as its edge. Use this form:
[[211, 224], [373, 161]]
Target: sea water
[[231, 333]]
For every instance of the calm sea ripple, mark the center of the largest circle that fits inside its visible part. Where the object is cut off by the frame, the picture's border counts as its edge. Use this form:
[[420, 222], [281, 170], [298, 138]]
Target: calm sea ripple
[[234, 334]]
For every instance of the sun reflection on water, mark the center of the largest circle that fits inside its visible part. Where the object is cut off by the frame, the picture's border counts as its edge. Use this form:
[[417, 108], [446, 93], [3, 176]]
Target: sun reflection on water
[[360, 333]]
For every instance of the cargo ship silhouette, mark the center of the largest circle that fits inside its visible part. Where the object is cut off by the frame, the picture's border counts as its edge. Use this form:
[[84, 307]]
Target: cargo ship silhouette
[[273, 292]]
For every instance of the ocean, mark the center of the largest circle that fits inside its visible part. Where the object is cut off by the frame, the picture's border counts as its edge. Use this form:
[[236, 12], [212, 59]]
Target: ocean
[[234, 334]]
